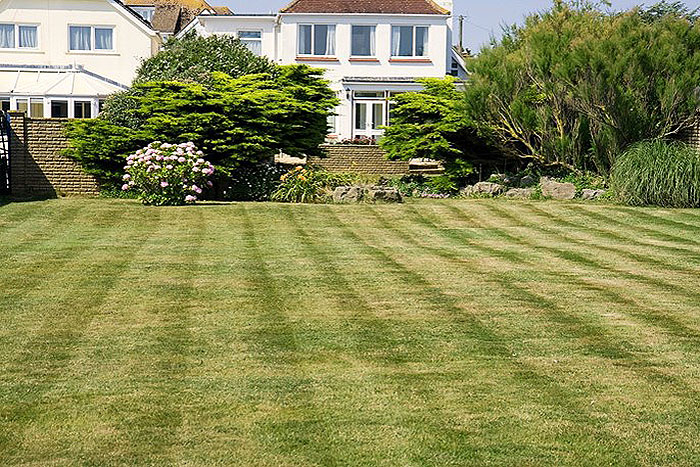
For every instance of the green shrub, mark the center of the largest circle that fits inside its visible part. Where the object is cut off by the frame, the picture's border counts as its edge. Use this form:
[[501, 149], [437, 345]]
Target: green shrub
[[658, 173], [235, 121], [253, 182]]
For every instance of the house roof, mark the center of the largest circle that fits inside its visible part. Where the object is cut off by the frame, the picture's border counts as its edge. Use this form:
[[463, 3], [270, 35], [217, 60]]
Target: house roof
[[171, 16], [405, 7]]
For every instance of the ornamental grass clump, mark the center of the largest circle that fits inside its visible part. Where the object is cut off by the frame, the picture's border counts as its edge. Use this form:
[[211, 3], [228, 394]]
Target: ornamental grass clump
[[658, 173], [309, 185], [163, 174]]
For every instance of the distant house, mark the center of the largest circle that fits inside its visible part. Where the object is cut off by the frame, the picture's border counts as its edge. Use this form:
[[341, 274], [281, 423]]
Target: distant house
[[61, 58], [372, 50], [169, 17]]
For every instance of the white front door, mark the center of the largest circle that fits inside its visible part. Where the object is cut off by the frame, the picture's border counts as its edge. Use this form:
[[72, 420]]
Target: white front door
[[369, 117]]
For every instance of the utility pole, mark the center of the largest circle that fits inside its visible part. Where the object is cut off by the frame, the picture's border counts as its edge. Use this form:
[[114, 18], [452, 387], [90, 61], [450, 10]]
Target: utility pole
[[461, 34]]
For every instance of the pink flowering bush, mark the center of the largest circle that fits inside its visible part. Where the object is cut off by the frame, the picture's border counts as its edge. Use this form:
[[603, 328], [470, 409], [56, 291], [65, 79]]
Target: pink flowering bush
[[165, 174]]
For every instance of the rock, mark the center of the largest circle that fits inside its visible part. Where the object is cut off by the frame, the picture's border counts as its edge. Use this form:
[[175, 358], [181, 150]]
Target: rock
[[488, 188], [592, 194], [348, 194], [383, 194], [557, 190], [467, 191], [527, 181], [520, 193]]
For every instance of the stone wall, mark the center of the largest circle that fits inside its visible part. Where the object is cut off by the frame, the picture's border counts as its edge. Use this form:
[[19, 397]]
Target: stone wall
[[358, 159], [693, 137], [37, 167]]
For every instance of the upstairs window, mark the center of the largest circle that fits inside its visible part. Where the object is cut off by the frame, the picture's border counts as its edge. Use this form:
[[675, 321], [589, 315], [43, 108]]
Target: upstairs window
[[317, 39], [409, 41], [145, 12], [363, 41], [252, 40], [21, 36], [91, 38]]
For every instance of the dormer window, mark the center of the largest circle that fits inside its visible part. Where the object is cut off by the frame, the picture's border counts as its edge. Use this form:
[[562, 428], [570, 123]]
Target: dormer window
[[317, 39], [409, 41], [22, 36], [145, 12]]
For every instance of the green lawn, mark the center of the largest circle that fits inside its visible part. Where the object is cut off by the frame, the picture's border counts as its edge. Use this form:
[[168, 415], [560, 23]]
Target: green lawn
[[431, 333]]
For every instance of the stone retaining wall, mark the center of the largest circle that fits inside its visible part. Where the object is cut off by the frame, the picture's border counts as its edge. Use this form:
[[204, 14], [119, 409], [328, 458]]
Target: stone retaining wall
[[359, 159], [37, 167]]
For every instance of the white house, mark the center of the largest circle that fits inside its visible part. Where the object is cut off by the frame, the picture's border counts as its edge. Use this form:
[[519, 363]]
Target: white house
[[372, 50], [60, 58]]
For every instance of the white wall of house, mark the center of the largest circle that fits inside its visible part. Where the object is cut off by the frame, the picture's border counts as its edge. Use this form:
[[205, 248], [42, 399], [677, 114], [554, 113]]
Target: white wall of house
[[132, 40], [381, 63], [364, 84]]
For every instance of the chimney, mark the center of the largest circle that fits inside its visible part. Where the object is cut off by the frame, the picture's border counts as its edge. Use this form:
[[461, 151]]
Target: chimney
[[446, 4]]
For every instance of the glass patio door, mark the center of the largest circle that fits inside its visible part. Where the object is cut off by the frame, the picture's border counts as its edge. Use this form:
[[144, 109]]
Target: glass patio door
[[369, 117]]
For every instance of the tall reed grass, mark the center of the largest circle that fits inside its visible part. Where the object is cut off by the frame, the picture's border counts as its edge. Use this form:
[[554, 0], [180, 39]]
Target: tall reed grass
[[658, 173]]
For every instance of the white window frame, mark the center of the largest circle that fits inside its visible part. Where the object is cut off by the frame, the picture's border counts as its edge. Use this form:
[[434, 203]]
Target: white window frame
[[371, 46], [413, 43], [247, 39], [93, 42], [16, 27], [313, 39]]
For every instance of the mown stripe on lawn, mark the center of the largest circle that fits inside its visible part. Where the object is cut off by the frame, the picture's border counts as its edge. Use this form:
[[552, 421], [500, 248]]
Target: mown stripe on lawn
[[275, 343], [541, 386], [690, 244], [589, 261], [40, 363], [639, 310], [599, 340], [619, 240]]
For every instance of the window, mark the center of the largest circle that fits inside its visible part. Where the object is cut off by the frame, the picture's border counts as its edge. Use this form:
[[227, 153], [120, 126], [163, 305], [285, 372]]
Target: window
[[145, 12], [369, 94], [332, 125], [23, 105], [100, 105], [252, 40], [317, 39], [5, 102], [82, 109], [21, 36], [363, 39], [36, 108], [91, 38], [59, 109], [409, 41]]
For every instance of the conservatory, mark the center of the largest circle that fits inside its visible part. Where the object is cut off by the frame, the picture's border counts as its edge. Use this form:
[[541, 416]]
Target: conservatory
[[54, 91]]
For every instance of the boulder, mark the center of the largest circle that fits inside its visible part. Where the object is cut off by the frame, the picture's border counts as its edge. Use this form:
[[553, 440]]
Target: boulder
[[383, 194], [557, 190], [527, 181], [467, 191], [520, 193], [488, 188], [592, 194], [348, 194]]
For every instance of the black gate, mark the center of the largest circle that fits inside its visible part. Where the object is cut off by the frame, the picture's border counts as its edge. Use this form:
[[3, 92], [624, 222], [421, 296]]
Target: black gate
[[4, 154]]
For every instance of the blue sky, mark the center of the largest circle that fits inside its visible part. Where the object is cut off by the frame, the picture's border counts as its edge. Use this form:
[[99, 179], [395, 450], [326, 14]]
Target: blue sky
[[483, 18]]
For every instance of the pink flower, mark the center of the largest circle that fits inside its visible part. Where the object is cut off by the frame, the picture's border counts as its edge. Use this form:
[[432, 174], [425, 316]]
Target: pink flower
[[181, 160], [206, 171], [169, 167], [164, 184], [209, 183], [126, 177], [125, 187], [159, 157], [190, 199], [196, 189], [195, 169]]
